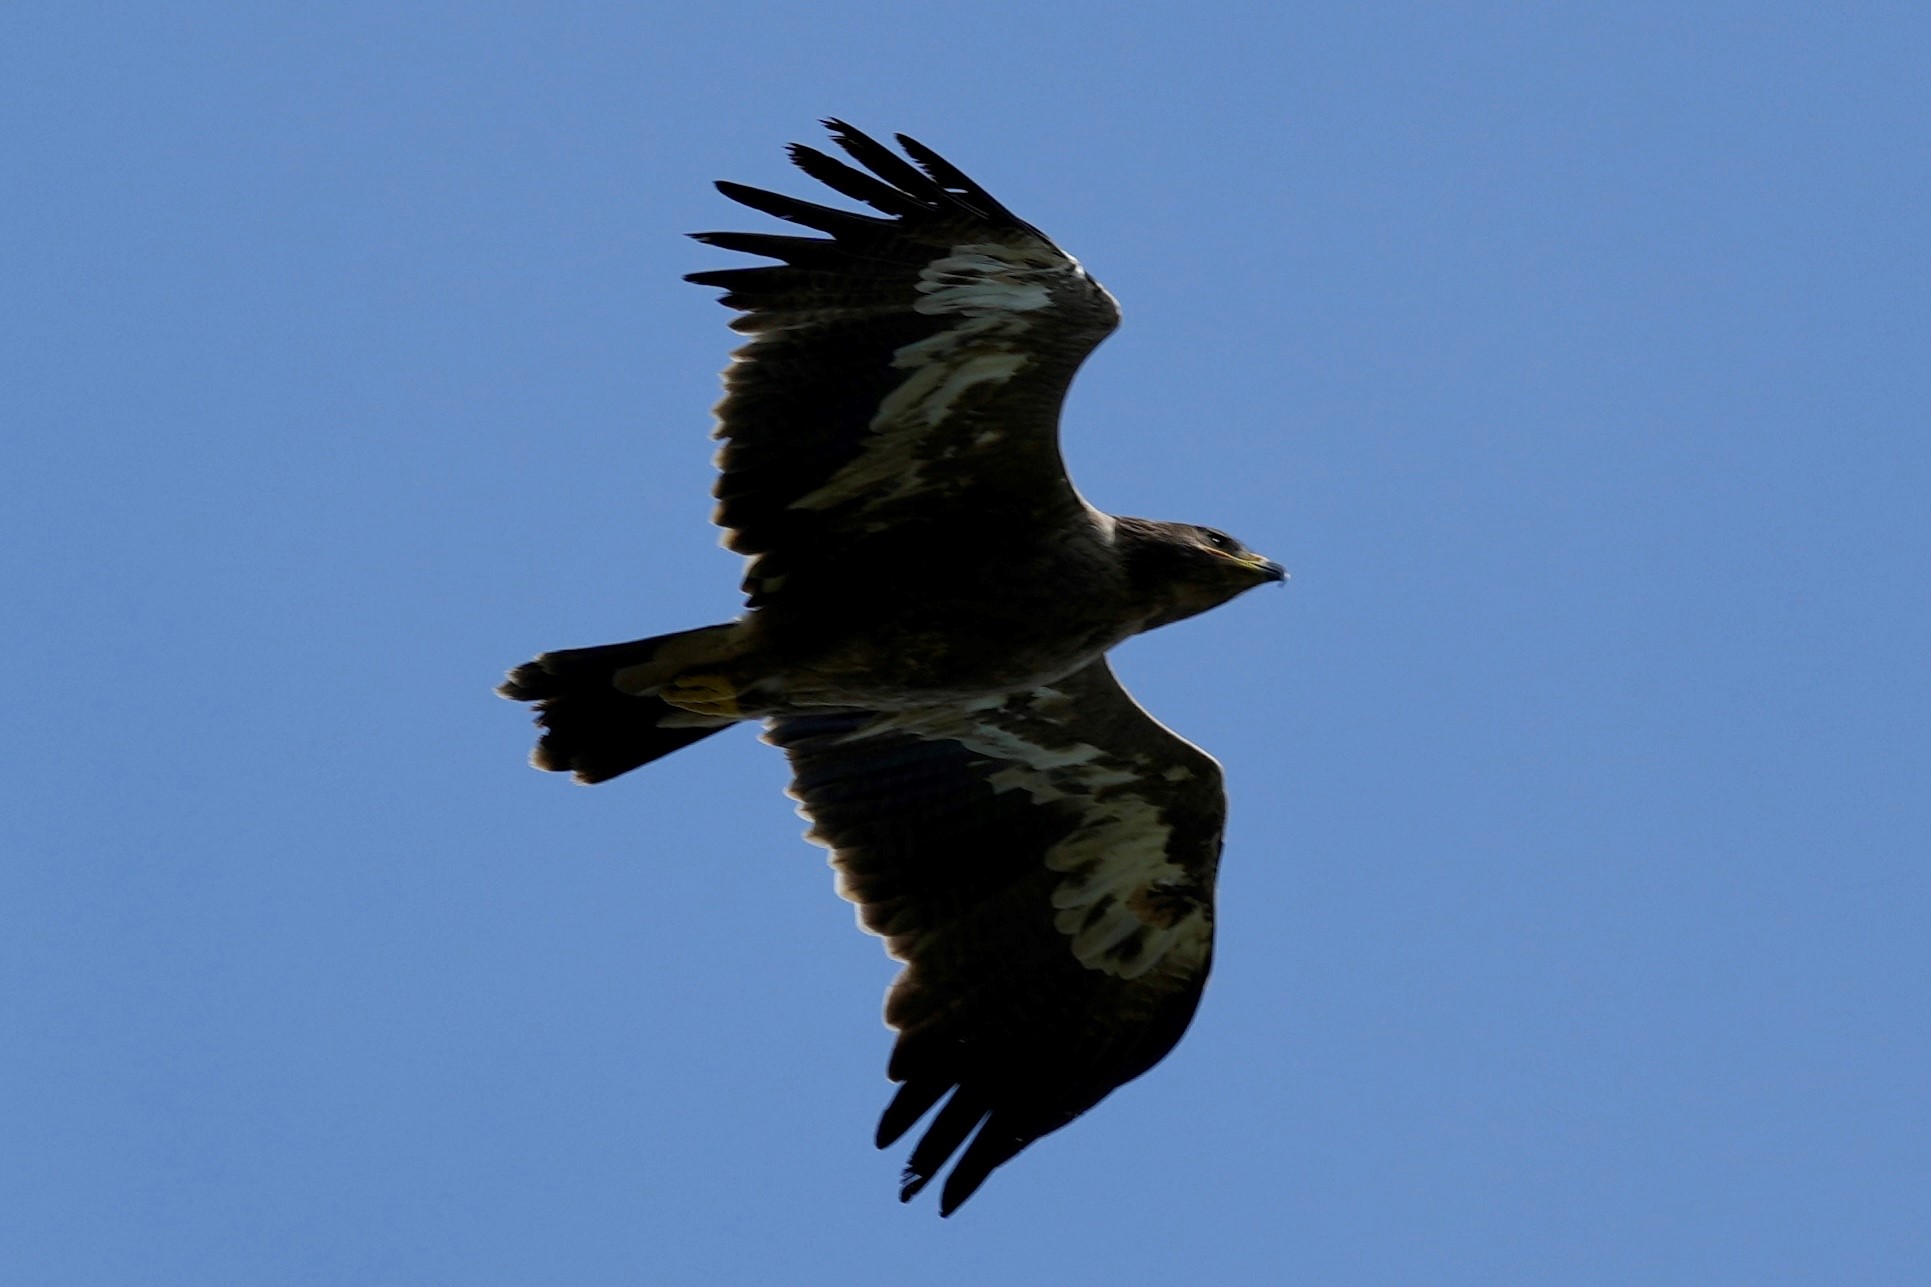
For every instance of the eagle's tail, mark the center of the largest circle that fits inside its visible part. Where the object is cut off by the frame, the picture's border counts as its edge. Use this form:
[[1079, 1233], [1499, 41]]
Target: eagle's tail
[[599, 707]]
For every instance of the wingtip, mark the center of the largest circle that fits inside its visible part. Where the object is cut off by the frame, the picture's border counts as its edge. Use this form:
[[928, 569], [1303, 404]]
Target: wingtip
[[910, 1182], [845, 134], [959, 1186]]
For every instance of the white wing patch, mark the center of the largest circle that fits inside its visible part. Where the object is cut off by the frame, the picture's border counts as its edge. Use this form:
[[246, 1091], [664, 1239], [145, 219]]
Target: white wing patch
[[1126, 906], [995, 289], [982, 280]]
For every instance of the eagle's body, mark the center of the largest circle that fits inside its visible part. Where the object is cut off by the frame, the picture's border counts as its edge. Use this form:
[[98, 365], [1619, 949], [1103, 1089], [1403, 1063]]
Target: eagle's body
[[929, 605], [964, 618]]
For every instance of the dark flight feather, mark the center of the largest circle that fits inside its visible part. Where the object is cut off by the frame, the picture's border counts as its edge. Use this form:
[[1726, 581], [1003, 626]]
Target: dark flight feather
[[959, 186], [808, 213], [856, 184]]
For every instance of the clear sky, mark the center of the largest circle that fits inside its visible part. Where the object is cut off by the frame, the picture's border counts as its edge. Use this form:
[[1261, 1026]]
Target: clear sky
[[1574, 358]]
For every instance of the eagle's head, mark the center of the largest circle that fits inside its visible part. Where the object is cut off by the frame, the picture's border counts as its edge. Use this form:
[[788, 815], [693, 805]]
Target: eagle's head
[[1180, 569]]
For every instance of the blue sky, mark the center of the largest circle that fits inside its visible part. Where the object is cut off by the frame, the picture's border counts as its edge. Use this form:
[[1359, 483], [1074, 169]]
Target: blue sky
[[1573, 913]]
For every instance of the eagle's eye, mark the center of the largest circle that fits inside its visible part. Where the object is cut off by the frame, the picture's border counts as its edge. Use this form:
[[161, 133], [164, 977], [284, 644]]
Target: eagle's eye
[[1220, 540]]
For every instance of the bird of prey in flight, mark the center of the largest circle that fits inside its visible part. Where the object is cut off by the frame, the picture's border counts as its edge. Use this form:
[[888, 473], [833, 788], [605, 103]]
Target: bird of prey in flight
[[929, 604]]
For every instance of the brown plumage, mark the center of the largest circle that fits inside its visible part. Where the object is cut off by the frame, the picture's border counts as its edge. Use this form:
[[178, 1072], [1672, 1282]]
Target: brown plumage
[[929, 603]]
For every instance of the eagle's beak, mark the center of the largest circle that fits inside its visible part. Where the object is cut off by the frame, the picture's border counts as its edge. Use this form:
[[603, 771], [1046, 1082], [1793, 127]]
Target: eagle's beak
[[1273, 571]]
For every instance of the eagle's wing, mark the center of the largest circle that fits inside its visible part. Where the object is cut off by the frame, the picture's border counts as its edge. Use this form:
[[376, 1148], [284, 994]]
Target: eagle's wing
[[907, 371], [1043, 864]]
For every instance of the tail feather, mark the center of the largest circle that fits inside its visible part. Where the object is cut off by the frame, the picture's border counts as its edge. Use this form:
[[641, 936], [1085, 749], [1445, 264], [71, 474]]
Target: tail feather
[[596, 730]]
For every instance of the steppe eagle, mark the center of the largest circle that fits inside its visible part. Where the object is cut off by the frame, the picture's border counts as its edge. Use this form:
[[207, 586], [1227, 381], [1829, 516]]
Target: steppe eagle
[[929, 607]]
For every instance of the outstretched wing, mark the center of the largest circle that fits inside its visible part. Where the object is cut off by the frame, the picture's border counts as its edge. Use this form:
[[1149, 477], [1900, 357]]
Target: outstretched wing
[[908, 370], [1043, 864]]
